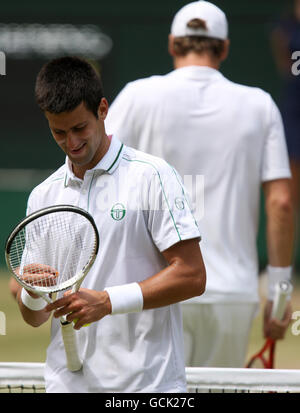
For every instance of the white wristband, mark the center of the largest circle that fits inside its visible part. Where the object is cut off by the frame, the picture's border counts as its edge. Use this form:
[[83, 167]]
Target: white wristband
[[275, 275], [35, 304], [126, 298]]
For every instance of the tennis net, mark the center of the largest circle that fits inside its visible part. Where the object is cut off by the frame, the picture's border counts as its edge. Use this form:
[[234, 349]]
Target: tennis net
[[242, 380], [29, 378]]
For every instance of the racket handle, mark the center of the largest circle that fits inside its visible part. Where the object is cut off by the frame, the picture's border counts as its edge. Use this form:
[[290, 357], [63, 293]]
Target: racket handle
[[282, 290], [69, 339]]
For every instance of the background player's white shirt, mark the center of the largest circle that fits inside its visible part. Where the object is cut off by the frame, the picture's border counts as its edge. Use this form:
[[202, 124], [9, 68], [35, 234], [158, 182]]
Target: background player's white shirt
[[124, 192], [204, 124]]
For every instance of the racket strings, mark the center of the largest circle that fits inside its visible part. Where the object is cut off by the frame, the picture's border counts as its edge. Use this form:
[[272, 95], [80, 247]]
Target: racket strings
[[52, 249]]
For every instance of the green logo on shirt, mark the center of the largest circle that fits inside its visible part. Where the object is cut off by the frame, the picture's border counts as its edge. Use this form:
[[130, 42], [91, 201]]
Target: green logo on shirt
[[118, 212]]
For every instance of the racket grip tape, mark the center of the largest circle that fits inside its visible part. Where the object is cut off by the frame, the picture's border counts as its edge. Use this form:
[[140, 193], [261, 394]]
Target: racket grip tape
[[69, 338], [282, 291]]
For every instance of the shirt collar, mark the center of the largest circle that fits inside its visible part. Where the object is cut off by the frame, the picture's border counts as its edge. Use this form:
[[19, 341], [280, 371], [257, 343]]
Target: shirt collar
[[108, 164], [198, 72]]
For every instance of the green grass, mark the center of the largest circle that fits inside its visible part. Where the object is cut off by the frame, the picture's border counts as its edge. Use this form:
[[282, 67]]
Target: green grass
[[21, 342], [25, 343]]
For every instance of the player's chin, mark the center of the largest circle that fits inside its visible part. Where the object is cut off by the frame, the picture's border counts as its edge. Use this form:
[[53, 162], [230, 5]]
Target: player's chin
[[79, 159]]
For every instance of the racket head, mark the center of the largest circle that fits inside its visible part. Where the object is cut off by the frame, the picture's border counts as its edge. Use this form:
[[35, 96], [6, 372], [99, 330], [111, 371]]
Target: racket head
[[52, 249]]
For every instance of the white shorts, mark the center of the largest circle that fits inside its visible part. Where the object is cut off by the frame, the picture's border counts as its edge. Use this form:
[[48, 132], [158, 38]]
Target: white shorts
[[217, 334]]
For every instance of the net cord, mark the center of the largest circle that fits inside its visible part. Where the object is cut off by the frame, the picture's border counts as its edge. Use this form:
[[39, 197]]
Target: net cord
[[32, 374]]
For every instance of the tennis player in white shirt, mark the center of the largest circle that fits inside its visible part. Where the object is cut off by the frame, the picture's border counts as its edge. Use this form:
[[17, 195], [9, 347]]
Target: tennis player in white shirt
[[206, 125], [149, 257]]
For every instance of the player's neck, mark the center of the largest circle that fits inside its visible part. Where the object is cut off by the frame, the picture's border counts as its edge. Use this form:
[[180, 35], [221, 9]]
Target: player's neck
[[193, 59]]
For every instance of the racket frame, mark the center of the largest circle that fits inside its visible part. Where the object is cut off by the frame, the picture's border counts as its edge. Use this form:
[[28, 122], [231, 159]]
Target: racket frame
[[77, 278], [282, 290], [68, 333]]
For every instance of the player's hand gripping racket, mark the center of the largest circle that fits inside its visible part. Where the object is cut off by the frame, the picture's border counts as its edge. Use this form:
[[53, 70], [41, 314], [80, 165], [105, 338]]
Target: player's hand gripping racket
[[52, 250], [265, 357]]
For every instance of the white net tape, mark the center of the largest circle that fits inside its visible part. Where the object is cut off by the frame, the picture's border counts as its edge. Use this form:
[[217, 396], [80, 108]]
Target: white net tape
[[22, 377], [242, 379], [29, 377]]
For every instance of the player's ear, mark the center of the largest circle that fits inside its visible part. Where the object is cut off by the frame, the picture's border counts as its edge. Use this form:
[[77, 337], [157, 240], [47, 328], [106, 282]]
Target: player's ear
[[226, 50], [102, 109], [171, 45]]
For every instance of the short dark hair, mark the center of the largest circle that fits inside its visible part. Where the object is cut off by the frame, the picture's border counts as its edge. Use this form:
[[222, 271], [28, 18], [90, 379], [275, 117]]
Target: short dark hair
[[198, 44], [63, 83]]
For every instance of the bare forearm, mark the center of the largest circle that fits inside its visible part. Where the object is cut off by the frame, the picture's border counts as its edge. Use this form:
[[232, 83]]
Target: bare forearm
[[167, 287], [280, 222], [184, 278], [33, 318], [280, 237]]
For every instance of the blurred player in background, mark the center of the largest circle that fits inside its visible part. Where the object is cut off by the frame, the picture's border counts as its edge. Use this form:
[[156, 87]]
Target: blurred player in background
[[286, 41], [149, 257], [204, 124]]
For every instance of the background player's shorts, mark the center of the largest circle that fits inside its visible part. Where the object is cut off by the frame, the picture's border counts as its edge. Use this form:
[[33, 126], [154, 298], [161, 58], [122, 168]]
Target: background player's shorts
[[217, 334]]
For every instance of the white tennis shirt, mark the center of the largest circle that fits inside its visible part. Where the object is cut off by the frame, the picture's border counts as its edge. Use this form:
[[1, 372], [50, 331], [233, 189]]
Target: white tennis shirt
[[228, 136], [140, 208]]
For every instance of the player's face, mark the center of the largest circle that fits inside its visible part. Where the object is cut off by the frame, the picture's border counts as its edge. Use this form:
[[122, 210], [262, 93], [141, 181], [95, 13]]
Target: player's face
[[81, 135]]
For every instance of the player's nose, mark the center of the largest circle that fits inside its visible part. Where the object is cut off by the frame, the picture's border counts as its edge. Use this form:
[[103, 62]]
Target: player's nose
[[73, 141]]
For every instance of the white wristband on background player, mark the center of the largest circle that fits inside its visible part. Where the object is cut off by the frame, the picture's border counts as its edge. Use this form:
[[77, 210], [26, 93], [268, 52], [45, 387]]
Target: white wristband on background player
[[35, 304], [275, 275], [126, 298]]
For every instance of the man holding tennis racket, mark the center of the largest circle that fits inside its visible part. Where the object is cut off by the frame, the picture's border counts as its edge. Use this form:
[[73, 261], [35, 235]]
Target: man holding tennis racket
[[127, 312], [233, 136]]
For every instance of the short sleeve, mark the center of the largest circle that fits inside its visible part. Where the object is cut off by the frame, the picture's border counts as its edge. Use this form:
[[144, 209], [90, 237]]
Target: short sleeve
[[32, 250], [275, 163], [120, 118], [31, 203], [170, 219]]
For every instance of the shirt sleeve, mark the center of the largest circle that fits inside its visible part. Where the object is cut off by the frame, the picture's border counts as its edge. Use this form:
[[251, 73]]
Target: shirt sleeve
[[31, 252], [170, 218], [29, 208], [275, 164], [120, 120], [32, 202]]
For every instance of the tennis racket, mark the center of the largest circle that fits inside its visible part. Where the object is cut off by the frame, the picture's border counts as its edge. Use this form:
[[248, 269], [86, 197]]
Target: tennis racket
[[265, 357], [52, 250]]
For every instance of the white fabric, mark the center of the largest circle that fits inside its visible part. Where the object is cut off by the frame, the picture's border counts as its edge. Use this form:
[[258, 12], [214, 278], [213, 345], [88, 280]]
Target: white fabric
[[137, 352], [126, 298], [215, 19], [275, 276], [35, 304], [217, 335], [230, 135], [243, 380]]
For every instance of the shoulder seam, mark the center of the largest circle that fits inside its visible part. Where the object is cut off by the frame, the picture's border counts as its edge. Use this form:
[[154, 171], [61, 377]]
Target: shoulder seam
[[163, 191]]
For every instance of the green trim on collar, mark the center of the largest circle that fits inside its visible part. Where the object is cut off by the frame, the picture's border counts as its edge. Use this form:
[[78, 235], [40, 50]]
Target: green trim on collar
[[116, 158]]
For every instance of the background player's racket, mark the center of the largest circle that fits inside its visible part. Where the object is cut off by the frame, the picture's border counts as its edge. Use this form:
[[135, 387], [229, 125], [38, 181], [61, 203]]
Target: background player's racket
[[265, 357], [52, 250]]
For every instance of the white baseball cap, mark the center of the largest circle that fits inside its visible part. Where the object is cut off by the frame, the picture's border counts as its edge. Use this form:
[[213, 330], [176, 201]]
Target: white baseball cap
[[215, 19]]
